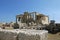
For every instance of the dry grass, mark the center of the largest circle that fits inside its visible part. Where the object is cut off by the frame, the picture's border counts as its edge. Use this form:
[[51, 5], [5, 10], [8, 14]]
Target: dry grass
[[54, 36], [9, 28]]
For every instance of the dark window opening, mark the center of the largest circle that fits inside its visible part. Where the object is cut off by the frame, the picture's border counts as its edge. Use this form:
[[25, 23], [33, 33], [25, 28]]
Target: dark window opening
[[19, 19]]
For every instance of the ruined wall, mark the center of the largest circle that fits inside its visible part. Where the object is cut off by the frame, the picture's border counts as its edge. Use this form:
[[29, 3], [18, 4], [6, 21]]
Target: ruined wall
[[24, 34]]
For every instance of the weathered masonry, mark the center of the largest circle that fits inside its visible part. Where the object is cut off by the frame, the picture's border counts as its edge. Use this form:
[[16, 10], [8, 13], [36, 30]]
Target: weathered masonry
[[24, 34]]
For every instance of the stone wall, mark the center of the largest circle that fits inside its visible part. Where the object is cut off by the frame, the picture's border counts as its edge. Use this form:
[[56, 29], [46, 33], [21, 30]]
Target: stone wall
[[24, 34]]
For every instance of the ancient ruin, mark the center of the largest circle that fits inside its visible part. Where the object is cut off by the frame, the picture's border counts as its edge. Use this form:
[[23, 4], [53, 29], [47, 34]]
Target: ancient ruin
[[31, 19]]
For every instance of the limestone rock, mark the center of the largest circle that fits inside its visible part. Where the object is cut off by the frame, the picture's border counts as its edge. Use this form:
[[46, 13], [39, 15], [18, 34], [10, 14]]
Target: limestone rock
[[33, 35]]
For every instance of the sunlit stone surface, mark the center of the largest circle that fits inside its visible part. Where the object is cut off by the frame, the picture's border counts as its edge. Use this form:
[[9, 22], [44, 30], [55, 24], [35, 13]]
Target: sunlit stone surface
[[33, 35], [23, 34]]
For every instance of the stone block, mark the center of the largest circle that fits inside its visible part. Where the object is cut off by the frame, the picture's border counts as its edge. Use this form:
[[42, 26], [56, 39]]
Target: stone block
[[8, 35], [33, 35], [23, 34]]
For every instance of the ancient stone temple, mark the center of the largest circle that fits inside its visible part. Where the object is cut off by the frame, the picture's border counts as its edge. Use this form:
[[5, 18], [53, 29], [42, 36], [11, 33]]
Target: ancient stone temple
[[31, 18]]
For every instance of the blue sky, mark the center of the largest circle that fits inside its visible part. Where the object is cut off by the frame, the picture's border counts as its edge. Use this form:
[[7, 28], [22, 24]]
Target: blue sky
[[10, 8]]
